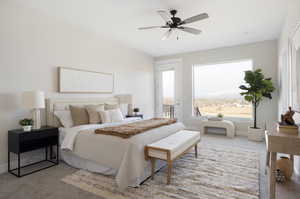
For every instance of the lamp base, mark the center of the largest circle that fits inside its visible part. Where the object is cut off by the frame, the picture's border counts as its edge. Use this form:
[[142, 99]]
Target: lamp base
[[36, 116], [130, 110]]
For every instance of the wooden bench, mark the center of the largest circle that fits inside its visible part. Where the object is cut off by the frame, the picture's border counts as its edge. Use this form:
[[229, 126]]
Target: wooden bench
[[171, 148], [227, 125]]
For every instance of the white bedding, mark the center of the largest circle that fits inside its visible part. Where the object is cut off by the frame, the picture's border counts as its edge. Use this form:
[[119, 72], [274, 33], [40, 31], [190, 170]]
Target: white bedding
[[126, 156], [71, 133]]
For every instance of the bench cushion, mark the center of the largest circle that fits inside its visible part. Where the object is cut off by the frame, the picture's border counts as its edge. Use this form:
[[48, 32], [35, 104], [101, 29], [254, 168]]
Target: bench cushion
[[176, 144]]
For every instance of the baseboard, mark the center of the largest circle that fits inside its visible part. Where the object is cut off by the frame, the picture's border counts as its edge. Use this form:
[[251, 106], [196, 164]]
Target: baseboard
[[3, 168]]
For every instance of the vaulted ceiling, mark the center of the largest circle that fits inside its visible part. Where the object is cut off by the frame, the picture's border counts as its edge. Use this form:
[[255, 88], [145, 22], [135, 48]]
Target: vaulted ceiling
[[231, 22]]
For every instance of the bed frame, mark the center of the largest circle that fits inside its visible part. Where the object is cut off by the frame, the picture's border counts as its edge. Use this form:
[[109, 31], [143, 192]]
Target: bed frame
[[54, 104]]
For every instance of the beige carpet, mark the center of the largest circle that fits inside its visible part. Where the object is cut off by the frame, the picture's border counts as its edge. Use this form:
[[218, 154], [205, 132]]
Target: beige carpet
[[219, 172]]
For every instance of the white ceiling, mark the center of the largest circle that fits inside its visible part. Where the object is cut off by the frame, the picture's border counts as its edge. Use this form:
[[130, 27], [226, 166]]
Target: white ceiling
[[231, 22]]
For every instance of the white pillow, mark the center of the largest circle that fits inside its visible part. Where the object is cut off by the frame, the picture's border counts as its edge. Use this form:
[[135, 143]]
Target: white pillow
[[65, 118], [105, 116], [116, 115]]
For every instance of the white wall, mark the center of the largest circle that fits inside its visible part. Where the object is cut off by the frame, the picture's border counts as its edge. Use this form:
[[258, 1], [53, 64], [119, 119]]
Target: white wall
[[32, 45], [264, 56], [291, 22]]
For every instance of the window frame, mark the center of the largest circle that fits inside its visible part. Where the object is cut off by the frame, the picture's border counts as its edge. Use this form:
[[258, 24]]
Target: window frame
[[238, 119]]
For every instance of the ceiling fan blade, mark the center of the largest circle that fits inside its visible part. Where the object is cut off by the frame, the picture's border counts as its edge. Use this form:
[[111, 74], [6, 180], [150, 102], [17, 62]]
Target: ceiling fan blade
[[195, 18], [165, 15], [190, 30], [167, 34], [152, 27]]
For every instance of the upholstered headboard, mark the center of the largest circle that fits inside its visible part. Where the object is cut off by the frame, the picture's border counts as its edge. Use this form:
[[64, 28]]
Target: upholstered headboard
[[54, 104]]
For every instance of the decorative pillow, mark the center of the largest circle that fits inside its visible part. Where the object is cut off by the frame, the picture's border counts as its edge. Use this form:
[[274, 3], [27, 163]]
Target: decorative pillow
[[79, 115], [111, 106], [116, 115], [105, 116], [64, 118], [94, 116]]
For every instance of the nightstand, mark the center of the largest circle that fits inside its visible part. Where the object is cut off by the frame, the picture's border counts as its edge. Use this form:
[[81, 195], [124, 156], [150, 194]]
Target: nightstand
[[20, 142], [138, 115]]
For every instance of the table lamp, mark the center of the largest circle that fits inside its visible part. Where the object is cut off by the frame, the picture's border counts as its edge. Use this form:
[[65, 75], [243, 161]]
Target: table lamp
[[126, 99], [34, 100]]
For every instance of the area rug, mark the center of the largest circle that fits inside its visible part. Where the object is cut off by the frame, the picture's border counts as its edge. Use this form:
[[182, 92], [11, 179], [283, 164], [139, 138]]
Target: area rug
[[219, 172]]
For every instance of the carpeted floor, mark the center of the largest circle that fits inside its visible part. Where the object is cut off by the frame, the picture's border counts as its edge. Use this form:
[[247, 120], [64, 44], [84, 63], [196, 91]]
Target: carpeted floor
[[219, 172], [47, 184]]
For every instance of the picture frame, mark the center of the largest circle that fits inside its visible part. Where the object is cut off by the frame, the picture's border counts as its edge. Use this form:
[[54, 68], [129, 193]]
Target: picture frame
[[73, 80]]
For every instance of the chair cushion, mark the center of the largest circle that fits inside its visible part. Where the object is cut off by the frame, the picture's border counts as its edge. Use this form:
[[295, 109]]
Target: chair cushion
[[176, 144]]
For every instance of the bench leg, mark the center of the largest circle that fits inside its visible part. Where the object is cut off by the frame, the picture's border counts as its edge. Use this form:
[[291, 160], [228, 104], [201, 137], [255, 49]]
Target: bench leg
[[196, 151], [170, 165], [152, 167]]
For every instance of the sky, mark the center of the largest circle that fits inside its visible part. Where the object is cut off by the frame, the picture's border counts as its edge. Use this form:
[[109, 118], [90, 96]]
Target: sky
[[212, 81], [220, 80]]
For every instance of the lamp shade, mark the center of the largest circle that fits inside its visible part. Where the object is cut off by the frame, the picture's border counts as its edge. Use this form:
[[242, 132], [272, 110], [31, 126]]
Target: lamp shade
[[33, 99], [125, 99]]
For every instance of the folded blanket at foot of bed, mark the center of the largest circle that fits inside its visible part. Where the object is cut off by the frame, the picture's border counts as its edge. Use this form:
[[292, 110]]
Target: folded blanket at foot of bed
[[131, 129]]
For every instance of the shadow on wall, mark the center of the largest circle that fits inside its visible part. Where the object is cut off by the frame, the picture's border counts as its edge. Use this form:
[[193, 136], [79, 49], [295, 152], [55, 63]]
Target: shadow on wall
[[10, 113], [11, 110], [9, 102]]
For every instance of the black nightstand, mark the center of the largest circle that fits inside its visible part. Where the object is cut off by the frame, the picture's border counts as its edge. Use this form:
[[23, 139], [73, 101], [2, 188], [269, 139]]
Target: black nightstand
[[138, 115], [20, 142]]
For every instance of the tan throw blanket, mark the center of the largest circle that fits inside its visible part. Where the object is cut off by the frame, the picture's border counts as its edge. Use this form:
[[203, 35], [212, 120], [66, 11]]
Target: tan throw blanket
[[131, 129]]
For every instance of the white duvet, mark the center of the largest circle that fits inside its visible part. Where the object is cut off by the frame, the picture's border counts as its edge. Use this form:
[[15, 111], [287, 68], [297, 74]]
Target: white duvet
[[124, 155]]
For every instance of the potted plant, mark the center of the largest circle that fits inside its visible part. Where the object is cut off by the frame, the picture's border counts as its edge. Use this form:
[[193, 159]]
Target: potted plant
[[26, 124], [136, 110], [254, 91], [220, 116]]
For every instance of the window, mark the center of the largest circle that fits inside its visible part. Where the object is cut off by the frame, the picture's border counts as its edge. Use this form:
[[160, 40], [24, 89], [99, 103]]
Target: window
[[168, 93], [216, 89], [168, 88]]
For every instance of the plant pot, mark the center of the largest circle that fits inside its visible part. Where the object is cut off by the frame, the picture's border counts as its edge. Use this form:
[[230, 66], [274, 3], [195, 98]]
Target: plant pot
[[256, 134], [27, 128], [215, 118]]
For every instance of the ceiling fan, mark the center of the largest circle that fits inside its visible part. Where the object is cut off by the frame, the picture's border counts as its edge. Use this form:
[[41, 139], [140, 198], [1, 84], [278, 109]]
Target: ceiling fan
[[173, 22]]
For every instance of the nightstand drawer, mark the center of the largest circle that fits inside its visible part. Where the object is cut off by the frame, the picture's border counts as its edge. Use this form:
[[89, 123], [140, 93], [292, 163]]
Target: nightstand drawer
[[38, 135], [33, 144]]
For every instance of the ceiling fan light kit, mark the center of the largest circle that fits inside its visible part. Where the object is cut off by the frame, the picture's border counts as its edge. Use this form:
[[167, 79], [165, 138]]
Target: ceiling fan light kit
[[173, 23]]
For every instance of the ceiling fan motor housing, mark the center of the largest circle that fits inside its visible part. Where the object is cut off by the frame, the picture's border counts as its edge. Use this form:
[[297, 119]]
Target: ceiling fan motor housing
[[175, 20], [173, 12]]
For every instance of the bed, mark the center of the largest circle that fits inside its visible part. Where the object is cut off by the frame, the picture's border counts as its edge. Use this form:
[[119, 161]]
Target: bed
[[105, 154]]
